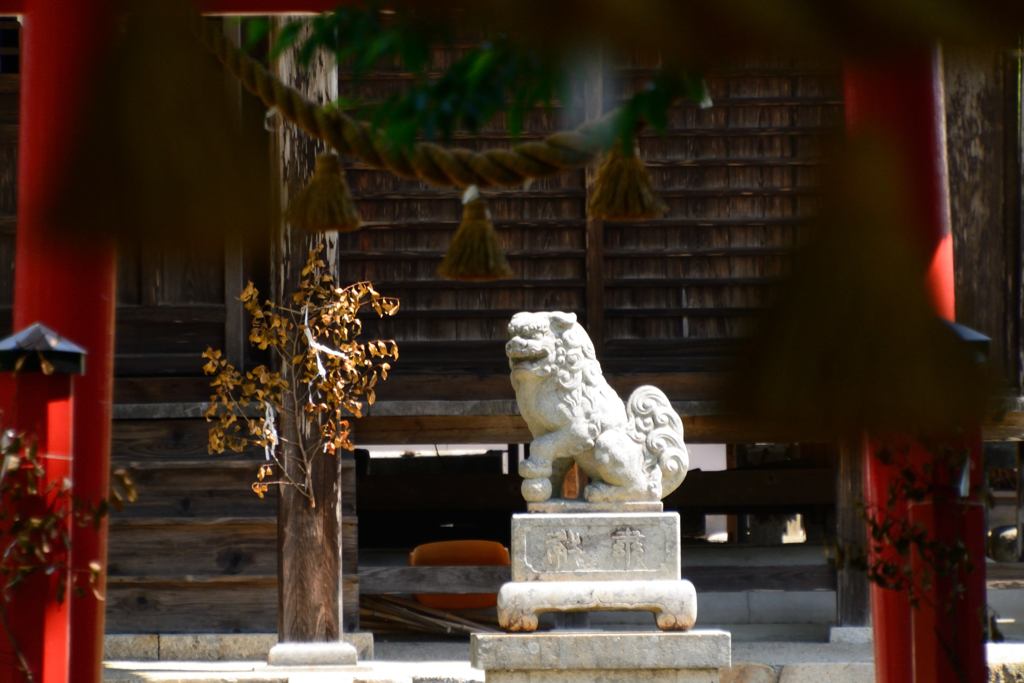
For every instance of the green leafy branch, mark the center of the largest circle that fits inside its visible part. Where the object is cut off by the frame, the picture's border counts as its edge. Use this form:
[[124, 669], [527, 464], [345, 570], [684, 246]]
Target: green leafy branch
[[501, 75]]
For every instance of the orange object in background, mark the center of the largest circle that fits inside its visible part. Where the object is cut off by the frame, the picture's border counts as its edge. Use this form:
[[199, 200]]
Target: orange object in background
[[458, 553]]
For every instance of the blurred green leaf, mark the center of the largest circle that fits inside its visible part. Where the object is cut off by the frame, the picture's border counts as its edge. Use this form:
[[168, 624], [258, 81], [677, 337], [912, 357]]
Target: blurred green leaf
[[254, 31], [286, 37], [500, 75]]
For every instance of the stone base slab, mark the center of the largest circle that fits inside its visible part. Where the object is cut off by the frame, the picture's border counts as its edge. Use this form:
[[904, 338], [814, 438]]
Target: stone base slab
[[208, 647], [602, 657], [850, 634], [674, 603], [337, 653], [623, 676], [595, 546]]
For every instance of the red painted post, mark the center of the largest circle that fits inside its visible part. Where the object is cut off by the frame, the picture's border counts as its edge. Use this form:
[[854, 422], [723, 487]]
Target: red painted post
[[38, 403], [901, 98], [39, 406], [67, 283], [890, 609]]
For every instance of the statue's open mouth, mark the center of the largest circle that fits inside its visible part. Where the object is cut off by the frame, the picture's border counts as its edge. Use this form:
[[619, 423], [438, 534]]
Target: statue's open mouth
[[521, 353]]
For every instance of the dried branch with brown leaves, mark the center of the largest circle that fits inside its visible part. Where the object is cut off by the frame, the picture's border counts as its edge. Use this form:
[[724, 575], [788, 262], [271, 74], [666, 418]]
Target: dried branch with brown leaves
[[325, 375]]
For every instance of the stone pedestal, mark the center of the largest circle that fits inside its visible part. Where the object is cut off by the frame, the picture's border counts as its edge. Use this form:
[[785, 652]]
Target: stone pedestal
[[602, 657], [571, 557], [596, 561]]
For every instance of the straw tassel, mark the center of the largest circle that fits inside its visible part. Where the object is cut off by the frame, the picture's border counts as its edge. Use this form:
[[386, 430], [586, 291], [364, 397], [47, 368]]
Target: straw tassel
[[622, 189], [474, 253], [326, 203]]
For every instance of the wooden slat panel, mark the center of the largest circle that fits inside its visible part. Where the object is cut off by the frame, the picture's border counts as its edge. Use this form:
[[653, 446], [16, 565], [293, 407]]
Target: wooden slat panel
[[162, 340], [235, 605], [207, 546], [159, 364], [142, 398], [161, 440], [746, 167], [199, 488], [411, 224], [231, 546], [156, 389]]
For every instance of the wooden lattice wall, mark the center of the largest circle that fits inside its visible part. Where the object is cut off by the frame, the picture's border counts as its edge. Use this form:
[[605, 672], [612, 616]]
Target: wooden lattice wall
[[739, 178]]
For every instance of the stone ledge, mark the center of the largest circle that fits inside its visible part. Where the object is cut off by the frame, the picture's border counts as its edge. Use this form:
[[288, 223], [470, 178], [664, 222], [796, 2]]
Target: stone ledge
[[850, 634], [815, 672], [595, 650], [207, 647]]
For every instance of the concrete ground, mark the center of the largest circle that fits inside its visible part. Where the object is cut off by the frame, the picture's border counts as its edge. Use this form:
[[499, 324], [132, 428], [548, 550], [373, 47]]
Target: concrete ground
[[403, 660]]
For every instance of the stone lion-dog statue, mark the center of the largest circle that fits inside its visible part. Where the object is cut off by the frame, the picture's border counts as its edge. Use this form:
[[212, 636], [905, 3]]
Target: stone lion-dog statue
[[631, 452]]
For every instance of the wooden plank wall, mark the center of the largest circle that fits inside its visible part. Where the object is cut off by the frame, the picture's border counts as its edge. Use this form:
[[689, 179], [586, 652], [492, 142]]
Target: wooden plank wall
[[739, 178], [170, 306], [457, 326], [198, 552]]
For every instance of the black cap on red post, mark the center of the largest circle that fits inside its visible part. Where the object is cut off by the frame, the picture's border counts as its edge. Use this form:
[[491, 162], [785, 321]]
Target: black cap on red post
[[37, 348]]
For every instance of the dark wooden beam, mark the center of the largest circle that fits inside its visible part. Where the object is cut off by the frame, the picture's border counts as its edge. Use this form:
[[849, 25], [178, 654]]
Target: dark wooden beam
[[710, 492], [235, 334], [853, 607], [593, 105], [497, 421]]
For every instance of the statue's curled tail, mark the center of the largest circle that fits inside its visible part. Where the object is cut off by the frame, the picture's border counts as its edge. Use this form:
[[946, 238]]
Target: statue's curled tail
[[655, 424]]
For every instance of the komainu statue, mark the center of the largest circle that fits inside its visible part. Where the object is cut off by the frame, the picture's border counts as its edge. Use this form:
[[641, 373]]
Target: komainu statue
[[632, 452]]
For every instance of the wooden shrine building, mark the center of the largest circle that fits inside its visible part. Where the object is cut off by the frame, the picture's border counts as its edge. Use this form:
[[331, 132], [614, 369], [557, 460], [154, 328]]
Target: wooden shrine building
[[666, 302]]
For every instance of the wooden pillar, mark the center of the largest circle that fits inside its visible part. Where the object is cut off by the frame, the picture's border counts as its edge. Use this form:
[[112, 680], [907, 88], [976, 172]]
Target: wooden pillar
[[983, 130], [852, 604], [309, 538], [593, 107], [235, 330]]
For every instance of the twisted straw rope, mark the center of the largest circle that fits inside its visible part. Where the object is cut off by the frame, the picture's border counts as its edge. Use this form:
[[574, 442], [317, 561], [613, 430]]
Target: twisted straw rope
[[433, 163]]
